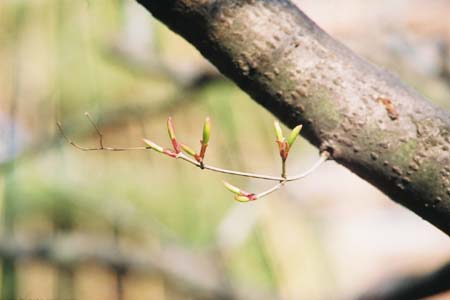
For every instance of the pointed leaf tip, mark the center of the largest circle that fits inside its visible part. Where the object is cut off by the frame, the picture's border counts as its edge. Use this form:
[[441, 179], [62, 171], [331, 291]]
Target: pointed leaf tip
[[206, 130], [188, 150], [170, 128], [293, 136], [241, 198], [153, 146], [232, 188], [278, 131]]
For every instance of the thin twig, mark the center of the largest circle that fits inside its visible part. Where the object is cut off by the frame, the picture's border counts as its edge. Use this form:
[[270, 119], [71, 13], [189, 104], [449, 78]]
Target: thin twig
[[200, 162], [229, 172], [101, 148], [283, 168], [100, 135], [324, 156], [271, 190]]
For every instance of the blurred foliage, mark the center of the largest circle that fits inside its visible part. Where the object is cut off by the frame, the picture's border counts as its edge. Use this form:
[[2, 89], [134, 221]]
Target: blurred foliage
[[60, 58]]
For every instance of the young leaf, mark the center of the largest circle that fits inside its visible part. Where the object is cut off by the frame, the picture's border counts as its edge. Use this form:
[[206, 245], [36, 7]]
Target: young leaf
[[278, 131], [153, 146], [206, 131], [170, 128], [241, 198], [188, 150], [295, 132], [232, 188], [172, 136]]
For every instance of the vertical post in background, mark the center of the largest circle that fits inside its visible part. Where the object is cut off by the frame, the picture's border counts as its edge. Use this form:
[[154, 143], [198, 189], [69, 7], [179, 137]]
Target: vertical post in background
[[9, 282], [9, 272], [119, 271], [63, 216]]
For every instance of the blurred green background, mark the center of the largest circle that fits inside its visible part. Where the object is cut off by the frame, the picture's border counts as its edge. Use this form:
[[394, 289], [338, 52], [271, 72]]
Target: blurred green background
[[138, 225]]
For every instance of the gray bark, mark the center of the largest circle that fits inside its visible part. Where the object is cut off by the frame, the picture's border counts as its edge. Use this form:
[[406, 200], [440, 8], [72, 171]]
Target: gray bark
[[370, 121]]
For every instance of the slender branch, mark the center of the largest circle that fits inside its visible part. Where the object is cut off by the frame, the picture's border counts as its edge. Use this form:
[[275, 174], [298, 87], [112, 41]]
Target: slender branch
[[101, 148], [100, 135], [324, 156], [283, 180], [271, 190], [204, 166]]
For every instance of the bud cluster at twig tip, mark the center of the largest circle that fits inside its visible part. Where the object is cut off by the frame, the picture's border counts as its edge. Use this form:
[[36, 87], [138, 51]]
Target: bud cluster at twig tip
[[179, 147], [205, 139], [283, 145]]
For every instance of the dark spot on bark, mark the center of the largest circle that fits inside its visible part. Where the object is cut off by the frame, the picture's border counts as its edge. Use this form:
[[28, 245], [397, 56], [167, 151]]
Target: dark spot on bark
[[302, 92], [345, 142], [389, 106], [414, 166], [397, 170], [384, 145], [400, 186], [406, 180]]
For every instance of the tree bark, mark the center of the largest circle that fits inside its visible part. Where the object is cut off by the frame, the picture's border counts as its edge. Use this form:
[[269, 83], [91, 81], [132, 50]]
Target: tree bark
[[370, 121]]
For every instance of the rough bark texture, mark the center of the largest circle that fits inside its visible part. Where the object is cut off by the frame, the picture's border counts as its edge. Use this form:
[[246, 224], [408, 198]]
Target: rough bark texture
[[371, 122]]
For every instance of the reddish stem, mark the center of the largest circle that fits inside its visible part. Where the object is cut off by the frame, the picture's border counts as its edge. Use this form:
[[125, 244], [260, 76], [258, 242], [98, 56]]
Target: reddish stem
[[175, 145], [203, 150], [170, 153]]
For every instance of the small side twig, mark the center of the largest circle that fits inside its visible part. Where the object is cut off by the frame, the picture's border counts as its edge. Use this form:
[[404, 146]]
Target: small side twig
[[101, 148], [100, 135]]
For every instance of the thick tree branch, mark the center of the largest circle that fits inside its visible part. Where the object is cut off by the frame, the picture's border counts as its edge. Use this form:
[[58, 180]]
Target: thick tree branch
[[372, 123]]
